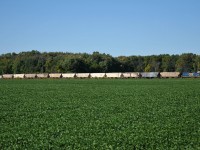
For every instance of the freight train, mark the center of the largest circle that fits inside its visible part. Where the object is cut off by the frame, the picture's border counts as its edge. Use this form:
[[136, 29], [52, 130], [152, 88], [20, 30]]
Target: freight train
[[103, 75]]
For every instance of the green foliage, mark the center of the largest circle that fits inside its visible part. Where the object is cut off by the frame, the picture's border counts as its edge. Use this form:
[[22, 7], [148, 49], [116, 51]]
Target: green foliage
[[185, 63], [57, 62], [147, 68], [197, 63], [100, 114]]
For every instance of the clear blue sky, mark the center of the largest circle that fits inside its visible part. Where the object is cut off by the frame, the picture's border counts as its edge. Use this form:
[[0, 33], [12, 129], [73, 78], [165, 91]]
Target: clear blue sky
[[116, 27]]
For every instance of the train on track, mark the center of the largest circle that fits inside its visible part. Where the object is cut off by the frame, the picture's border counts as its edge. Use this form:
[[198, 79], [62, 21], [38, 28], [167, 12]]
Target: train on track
[[104, 75]]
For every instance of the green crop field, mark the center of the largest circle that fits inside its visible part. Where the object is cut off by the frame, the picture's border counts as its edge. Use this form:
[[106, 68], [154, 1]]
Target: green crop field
[[100, 114]]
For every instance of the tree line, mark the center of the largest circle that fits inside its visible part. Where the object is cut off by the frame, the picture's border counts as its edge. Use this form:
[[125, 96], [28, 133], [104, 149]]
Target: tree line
[[59, 62]]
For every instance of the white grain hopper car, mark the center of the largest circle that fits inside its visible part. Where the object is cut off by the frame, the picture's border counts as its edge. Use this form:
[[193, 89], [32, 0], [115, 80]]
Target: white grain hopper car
[[130, 75], [149, 74], [82, 75], [97, 75], [113, 75], [68, 75], [7, 76], [30, 76], [43, 75], [18, 76], [169, 74], [55, 75]]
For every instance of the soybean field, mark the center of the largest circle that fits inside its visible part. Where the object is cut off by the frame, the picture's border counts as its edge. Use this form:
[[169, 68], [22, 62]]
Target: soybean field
[[100, 114]]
